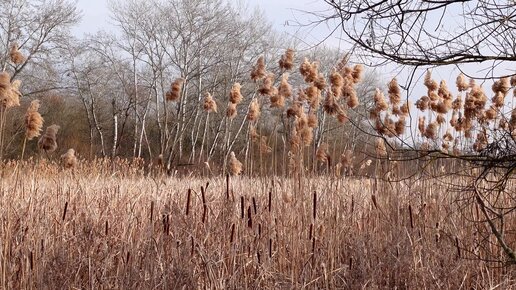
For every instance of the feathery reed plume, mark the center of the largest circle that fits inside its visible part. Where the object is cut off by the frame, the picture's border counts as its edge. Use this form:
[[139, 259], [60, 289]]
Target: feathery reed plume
[[423, 103], [258, 72], [353, 101], [379, 101], [9, 92], [277, 101], [235, 96], [336, 83], [498, 99], [346, 159], [312, 120], [322, 152], [356, 74], [462, 84], [15, 55], [175, 90], [48, 142], [320, 82], [254, 111], [286, 61], [267, 88], [33, 121], [285, 89], [431, 130], [69, 159], [421, 124], [429, 82], [209, 104], [394, 92], [400, 126], [313, 96], [405, 109], [331, 107], [235, 166], [380, 148], [309, 71], [502, 85], [457, 103], [231, 111]]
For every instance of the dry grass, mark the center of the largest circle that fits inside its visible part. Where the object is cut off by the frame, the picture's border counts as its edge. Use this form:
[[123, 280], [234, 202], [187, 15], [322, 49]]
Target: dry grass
[[113, 226]]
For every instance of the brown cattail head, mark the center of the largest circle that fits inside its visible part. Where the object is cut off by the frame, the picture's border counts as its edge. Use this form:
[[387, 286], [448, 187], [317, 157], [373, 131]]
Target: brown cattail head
[[462, 83], [309, 71], [209, 104], [285, 89], [235, 96], [33, 121], [394, 92], [235, 166], [286, 61], [258, 72], [231, 111], [69, 159], [15, 55], [380, 148], [48, 142], [9, 92], [429, 82], [322, 152], [267, 88], [254, 111], [175, 90]]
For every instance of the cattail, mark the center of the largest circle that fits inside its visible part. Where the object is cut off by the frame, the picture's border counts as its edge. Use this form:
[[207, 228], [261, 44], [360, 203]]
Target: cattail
[[231, 111], [429, 82], [9, 92], [320, 82], [175, 90], [336, 83], [308, 71], [322, 152], [379, 100], [267, 88], [357, 73], [69, 159], [380, 148], [235, 166], [209, 104], [235, 96], [258, 71], [462, 84], [421, 124], [33, 121], [443, 91], [277, 100], [15, 55], [400, 126], [502, 85], [254, 111], [353, 100], [457, 103], [431, 130], [313, 96], [286, 61], [48, 142], [312, 120], [295, 109], [423, 103], [285, 89], [394, 92], [331, 107]]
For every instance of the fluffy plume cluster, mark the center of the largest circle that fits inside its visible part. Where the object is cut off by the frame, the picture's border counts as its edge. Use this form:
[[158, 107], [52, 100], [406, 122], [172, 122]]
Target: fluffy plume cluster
[[254, 111], [69, 159], [48, 142], [9, 92], [235, 98], [322, 153], [267, 87], [286, 61], [209, 103], [33, 121], [258, 72], [175, 90], [16, 56], [380, 148], [389, 117], [235, 167]]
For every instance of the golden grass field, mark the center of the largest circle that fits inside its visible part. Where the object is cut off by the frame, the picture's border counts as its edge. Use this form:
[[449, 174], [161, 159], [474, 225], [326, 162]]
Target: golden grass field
[[104, 226]]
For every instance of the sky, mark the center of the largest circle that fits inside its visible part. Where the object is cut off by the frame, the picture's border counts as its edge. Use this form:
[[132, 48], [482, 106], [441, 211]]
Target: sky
[[283, 14]]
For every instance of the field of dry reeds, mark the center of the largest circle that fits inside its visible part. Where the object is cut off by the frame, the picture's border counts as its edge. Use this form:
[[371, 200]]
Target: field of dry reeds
[[111, 225]]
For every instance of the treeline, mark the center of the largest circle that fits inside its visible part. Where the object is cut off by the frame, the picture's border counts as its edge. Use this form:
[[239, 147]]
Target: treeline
[[108, 91]]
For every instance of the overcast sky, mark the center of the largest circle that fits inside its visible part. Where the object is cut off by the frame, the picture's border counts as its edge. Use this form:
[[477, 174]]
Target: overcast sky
[[281, 13]]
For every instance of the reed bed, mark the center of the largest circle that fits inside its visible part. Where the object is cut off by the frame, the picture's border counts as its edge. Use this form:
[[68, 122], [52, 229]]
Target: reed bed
[[113, 225]]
